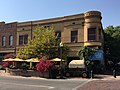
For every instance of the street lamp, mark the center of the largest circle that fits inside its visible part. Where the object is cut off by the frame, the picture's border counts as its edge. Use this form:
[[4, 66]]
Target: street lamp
[[61, 69]]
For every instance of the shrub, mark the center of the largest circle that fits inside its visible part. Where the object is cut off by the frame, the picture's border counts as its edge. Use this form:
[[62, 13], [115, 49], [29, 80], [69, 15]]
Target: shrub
[[5, 64], [9, 56], [45, 65]]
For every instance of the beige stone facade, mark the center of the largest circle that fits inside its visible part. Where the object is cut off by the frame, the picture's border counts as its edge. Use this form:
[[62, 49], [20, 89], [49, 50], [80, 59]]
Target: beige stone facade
[[83, 29], [65, 25]]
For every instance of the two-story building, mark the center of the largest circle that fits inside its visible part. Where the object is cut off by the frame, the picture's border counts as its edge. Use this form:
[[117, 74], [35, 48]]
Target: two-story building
[[78, 30], [8, 34]]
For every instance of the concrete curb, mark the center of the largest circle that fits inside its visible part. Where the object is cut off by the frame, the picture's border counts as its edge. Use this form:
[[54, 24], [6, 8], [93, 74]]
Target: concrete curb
[[103, 77]]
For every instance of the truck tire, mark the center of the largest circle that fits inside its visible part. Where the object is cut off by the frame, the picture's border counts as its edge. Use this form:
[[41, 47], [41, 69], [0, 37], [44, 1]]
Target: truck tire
[[67, 74], [84, 75]]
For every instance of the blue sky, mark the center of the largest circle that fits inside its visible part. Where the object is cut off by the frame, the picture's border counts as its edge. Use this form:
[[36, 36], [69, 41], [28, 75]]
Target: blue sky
[[29, 10]]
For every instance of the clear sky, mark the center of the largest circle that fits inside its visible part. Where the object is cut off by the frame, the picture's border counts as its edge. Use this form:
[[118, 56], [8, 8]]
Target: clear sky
[[30, 10]]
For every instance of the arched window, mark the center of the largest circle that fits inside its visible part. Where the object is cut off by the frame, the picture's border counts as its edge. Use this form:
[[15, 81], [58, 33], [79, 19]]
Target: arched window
[[3, 41], [10, 40]]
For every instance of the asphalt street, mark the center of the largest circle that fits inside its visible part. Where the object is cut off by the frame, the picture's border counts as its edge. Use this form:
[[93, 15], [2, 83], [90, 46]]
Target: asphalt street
[[26, 83]]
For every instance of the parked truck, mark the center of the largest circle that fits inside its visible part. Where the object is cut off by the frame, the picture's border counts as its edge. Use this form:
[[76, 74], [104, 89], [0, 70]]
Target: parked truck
[[77, 68]]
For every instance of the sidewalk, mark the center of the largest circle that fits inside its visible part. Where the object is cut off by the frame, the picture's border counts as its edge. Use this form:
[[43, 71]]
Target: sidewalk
[[102, 82], [110, 84], [104, 77], [96, 77], [99, 82], [3, 73]]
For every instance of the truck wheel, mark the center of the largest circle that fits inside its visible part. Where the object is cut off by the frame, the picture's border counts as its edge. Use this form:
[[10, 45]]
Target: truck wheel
[[84, 75], [67, 74]]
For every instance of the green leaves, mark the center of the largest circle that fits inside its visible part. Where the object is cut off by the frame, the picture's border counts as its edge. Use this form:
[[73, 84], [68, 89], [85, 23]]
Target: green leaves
[[112, 41], [43, 43], [86, 52]]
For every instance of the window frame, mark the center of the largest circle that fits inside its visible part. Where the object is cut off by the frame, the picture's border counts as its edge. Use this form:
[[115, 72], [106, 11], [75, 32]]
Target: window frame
[[99, 33], [92, 36], [58, 35], [11, 40], [3, 41], [74, 36], [23, 39]]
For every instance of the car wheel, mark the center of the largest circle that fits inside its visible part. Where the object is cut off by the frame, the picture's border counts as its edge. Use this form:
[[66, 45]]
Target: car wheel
[[67, 74], [84, 75]]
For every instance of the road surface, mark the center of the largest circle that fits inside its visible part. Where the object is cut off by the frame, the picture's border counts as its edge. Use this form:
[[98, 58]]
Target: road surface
[[28, 83]]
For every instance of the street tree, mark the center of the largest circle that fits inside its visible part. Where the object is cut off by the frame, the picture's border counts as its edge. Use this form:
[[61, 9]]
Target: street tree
[[112, 43], [43, 43], [86, 53]]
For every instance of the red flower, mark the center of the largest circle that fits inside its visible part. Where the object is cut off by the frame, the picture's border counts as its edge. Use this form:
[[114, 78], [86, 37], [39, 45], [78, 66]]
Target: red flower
[[9, 56], [5, 64], [45, 65]]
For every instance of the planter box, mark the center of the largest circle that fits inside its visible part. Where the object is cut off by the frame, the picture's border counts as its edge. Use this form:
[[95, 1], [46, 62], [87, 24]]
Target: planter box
[[29, 73]]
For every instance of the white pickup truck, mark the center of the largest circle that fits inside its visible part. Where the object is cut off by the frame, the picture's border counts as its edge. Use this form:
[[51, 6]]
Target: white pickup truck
[[77, 68]]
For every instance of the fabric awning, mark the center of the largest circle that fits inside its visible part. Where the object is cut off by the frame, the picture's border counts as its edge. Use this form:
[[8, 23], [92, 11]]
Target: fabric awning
[[14, 60], [32, 60], [77, 64], [57, 59]]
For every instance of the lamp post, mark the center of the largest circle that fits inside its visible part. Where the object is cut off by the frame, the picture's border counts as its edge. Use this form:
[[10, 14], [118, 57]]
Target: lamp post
[[61, 69]]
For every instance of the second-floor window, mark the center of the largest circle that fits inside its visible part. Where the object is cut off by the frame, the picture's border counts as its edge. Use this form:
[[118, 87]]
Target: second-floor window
[[58, 35], [74, 36], [91, 34], [99, 34], [23, 39], [3, 41], [10, 40]]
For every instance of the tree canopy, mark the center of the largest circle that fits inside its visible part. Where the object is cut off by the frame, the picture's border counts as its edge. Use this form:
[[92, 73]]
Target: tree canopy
[[43, 43], [112, 42], [86, 53]]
